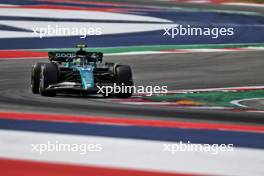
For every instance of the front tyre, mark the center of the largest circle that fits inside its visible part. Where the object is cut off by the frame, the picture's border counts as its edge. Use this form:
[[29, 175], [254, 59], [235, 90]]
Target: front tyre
[[48, 76], [35, 77], [123, 76]]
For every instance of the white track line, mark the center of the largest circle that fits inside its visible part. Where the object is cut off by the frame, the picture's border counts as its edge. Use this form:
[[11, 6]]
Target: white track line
[[243, 4], [238, 102], [217, 89]]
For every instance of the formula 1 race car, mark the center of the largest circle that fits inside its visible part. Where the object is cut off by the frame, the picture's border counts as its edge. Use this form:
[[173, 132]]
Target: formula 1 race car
[[78, 72]]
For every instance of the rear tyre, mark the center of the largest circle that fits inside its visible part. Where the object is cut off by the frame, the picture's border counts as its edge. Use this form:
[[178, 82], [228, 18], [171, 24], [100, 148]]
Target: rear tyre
[[48, 76], [35, 76], [123, 76]]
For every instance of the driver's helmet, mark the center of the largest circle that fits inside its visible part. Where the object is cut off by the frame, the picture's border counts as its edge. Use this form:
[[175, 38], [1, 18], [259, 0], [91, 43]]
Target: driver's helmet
[[80, 61], [77, 61]]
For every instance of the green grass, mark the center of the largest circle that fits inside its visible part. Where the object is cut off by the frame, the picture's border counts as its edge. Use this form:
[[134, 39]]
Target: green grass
[[158, 47], [210, 98]]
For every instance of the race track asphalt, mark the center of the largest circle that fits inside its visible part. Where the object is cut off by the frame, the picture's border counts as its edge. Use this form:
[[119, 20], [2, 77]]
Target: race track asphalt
[[177, 71]]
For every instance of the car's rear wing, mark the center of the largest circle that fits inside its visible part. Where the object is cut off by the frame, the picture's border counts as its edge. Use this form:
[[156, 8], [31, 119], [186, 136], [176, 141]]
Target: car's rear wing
[[65, 55]]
